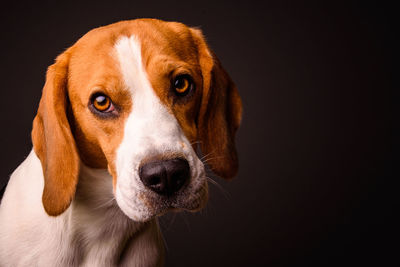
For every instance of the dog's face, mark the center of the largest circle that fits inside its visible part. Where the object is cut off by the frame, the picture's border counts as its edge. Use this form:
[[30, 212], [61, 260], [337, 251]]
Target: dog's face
[[137, 98]]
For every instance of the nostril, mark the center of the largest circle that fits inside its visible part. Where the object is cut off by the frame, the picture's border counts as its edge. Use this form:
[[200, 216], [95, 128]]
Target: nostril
[[154, 176], [165, 177], [177, 181], [154, 180], [156, 183], [178, 171], [179, 178]]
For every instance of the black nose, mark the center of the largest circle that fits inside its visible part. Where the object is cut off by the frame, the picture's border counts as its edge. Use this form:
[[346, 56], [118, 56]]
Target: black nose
[[165, 177]]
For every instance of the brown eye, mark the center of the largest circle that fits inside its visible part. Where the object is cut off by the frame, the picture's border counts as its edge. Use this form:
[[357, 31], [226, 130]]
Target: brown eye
[[182, 85], [102, 103]]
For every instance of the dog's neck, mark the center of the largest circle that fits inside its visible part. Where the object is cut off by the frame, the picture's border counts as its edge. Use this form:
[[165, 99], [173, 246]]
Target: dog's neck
[[98, 231]]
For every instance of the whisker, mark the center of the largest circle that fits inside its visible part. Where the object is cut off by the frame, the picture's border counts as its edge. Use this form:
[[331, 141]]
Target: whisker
[[207, 157], [217, 185], [171, 221], [182, 215], [196, 142], [105, 204], [211, 158], [208, 154], [159, 222]]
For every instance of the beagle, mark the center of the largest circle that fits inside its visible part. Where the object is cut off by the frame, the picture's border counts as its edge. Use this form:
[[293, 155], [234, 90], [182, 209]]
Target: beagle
[[122, 117]]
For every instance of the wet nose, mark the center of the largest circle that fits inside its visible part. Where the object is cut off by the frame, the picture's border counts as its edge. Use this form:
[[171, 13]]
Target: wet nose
[[165, 177]]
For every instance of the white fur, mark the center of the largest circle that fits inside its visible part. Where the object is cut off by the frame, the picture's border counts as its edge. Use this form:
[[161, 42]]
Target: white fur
[[95, 230], [150, 130], [91, 232]]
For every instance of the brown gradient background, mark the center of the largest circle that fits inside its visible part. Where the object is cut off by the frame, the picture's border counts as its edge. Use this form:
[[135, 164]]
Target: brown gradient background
[[318, 154]]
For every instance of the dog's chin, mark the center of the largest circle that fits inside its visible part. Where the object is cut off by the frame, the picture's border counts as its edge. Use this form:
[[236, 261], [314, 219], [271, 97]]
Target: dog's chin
[[153, 205]]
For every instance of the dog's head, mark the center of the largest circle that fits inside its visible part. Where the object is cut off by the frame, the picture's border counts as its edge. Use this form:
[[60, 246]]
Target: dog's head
[[137, 98]]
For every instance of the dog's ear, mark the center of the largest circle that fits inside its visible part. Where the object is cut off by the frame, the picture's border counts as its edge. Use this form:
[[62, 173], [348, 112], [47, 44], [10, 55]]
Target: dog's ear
[[220, 112], [53, 141]]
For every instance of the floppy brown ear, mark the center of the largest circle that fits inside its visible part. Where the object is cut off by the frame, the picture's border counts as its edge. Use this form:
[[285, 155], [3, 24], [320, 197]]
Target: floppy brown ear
[[53, 141], [220, 113]]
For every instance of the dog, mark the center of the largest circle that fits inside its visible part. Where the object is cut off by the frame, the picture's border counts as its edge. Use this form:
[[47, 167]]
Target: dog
[[124, 116]]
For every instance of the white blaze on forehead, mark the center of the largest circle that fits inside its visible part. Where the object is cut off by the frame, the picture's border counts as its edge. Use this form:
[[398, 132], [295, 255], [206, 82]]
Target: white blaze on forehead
[[130, 58], [149, 130], [149, 118]]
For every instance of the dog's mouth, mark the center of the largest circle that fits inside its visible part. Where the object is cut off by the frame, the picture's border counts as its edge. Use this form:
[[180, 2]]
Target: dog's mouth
[[149, 205], [187, 200]]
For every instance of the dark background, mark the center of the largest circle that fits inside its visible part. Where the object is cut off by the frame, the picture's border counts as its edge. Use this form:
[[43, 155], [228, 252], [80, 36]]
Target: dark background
[[318, 143]]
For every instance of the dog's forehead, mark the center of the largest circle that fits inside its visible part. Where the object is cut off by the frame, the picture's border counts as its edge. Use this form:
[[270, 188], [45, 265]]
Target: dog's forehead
[[156, 37], [93, 59]]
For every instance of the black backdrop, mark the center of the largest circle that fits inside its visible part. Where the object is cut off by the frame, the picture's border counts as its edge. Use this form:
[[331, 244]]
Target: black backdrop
[[317, 177]]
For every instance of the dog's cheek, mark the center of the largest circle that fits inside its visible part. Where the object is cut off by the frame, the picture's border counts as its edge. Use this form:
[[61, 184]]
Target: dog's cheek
[[112, 171], [87, 140], [186, 121], [110, 145]]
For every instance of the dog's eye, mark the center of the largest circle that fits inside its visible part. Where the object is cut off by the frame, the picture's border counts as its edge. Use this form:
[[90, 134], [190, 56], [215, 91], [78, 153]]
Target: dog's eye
[[182, 85], [102, 103]]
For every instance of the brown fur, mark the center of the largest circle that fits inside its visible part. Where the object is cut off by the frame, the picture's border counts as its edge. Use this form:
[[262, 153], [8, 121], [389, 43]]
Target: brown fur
[[53, 141], [220, 113], [211, 116]]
